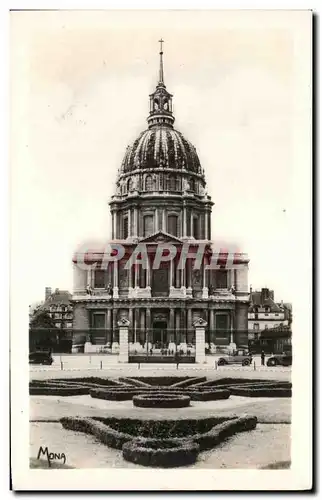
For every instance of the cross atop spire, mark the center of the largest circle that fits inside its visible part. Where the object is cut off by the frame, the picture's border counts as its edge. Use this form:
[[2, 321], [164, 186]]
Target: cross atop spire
[[161, 77], [161, 42]]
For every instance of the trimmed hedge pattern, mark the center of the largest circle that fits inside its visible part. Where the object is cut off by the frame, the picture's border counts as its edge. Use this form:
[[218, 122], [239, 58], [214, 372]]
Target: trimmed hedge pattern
[[160, 400], [102, 432], [57, 391], [162, 429], [191, 381], [160, 453], [269, 392], [197, 388]]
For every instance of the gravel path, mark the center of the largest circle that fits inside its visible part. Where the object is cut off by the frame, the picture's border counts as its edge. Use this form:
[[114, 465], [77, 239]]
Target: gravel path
[[261, 447], [267, 410]]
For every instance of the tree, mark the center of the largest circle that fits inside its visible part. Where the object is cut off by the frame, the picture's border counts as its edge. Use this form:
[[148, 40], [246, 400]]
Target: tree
[[42, 331]]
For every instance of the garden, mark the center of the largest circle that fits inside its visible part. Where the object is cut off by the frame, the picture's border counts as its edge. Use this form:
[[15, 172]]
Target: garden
[[166, 421]]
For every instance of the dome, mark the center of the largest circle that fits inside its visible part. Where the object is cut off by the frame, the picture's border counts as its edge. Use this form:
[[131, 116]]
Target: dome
[[161, 147]]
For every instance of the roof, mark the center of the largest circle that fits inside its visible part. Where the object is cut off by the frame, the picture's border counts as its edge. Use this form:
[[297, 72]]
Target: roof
[[257, 300], [161, 147], [60, 297]]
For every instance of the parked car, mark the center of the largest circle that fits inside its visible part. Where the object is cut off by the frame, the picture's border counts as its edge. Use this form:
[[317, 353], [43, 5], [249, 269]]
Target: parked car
[[280, 360], [238, 357], [41, 358]]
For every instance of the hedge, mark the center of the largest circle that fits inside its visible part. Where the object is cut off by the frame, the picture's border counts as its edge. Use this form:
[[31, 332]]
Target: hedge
[[57, 390], [160, 381], [112, 396], [228, 381], [102, 432], [93, 380], [209, 395], [134, 382], [174, 428], [160, 453], [193, 435], [189, 382], [224, 430], [269, 392], [160, 400]]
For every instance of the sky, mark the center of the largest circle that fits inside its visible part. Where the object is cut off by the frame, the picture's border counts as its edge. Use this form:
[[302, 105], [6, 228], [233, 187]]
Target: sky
[[80, 83]]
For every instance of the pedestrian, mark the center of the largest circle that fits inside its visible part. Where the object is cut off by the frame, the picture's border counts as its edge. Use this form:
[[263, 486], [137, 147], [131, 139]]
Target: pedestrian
[[263, 358]]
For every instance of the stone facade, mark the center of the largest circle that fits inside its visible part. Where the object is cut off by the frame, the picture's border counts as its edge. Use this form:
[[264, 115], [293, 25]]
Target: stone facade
[[161, 198]]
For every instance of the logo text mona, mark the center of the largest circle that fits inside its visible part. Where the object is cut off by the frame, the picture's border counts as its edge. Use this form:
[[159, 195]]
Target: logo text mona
[[50, 456]]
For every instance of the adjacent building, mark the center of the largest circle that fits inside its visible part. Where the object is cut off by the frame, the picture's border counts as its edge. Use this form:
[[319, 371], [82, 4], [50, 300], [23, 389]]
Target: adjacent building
[[160, 198], [269, 322]]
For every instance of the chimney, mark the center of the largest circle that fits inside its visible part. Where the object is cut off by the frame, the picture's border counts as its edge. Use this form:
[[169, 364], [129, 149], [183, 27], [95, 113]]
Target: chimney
[[264, 294], [48, 292]]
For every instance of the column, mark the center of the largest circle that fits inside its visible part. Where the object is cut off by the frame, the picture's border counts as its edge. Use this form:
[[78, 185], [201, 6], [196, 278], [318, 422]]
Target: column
[[89, 277], [135, 222], [131, 325], [204, 281], [200, 326], [148, 273], [164, 221], [136, 323], [206, 225], [191, 223], [171, 321], [116, 280], [189, 318], [123, 325], [212, 334], [232, 340], [184, 222], [129, 222], [148, 336], [171, 274], [136, 275], [114, 336], [109, 326], [130, 281], [189, 277], [114, 225], [156, 218]]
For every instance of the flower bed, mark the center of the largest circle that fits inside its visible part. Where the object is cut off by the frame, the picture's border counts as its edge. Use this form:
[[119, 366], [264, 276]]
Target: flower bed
[[269, 392], [160, 400], [160, 453]]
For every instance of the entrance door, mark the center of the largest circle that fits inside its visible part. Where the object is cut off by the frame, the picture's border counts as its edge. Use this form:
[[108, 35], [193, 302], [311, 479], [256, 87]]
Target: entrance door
[[159, 334]]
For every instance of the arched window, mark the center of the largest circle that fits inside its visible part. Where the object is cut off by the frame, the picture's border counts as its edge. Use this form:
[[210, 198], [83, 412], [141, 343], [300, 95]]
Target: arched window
[[192, 185], [173, 225], [148, 225], [148, 183], [129, 185]]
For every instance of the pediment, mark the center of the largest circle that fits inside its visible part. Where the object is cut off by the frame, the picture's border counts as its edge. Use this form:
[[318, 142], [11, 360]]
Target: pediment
[[160, 237]]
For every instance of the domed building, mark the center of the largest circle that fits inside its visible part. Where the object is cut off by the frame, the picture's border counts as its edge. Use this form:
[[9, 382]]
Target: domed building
[[160, 201]]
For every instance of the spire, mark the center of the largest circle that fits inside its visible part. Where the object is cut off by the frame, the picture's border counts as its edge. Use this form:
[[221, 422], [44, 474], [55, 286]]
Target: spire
[[161, 100], [161, 77]]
